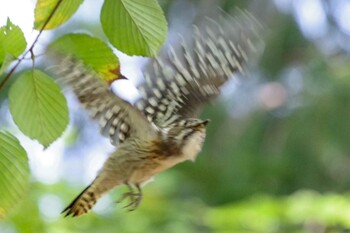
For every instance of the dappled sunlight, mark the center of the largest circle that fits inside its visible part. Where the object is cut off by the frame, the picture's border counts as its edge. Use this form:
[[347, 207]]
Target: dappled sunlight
[[272, 95], [48, 205], [311, 17]]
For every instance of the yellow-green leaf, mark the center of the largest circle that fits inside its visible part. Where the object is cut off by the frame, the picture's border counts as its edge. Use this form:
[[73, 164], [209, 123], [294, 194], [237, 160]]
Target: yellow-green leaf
[[14, 172], [44, 8], [135, 27], [6, 63], [12, 41], [38, 107], [91, 51]]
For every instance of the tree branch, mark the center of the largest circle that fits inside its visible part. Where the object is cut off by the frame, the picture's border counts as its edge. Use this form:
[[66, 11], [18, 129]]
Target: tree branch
[[30, 50]]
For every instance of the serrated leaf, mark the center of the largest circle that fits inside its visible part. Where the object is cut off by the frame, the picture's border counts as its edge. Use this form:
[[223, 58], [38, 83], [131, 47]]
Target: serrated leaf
[[92, 51], [12, 41], [38, 107], [14, 175], [44, 8], [135, 27]]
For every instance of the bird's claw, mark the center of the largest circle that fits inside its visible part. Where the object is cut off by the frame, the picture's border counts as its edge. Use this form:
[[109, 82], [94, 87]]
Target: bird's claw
[[135, 200], [124, 196]]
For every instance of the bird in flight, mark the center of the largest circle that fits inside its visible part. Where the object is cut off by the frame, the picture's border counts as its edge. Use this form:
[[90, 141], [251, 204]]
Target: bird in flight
[[162, 128]]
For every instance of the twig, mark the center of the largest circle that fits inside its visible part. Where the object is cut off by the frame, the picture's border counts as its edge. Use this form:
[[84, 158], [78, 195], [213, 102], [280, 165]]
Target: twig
[[30, 50]]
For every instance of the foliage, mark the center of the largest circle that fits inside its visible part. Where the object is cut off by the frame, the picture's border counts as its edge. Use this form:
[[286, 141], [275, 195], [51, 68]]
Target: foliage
[[44, 9], [37, 97], [37, 105], [12, 44], [304, 211], [92, 51], [14, 173], [142, 22]]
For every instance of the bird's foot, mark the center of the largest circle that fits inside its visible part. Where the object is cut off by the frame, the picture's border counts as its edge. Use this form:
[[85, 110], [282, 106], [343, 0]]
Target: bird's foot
[[135, 198]]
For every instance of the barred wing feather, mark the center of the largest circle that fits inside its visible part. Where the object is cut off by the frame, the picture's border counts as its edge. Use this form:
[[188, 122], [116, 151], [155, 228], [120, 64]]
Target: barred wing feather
[[179, 82], [117, 118]]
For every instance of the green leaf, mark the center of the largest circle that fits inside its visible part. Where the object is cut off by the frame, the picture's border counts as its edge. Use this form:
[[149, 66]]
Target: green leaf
[[93, 52], [6, 63], [12, 41], [14, 175], [44, 9], [38, 107], [135, 27]]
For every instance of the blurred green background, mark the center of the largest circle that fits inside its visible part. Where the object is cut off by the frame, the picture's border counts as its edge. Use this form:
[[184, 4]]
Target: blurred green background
[[277, 153]]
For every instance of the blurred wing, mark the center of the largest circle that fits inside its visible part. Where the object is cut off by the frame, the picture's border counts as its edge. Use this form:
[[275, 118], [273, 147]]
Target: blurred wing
[[178, 83], [117, 118]]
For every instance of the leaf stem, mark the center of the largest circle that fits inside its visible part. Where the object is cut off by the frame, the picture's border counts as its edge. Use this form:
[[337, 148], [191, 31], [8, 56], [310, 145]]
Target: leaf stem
[[30, 50]]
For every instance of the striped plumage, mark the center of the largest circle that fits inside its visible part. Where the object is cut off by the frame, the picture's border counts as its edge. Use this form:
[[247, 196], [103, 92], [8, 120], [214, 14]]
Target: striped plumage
[[162, 129], [178, 83]]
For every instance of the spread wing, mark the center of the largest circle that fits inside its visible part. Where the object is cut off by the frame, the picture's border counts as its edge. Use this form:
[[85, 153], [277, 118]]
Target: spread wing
[[117, 118], [178, 83]]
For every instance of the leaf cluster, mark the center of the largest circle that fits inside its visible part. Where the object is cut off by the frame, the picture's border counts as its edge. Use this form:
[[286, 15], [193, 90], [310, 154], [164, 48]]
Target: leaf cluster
[[36, 102]]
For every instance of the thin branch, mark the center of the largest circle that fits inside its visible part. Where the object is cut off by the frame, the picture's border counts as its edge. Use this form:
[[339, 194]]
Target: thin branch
[[30, 50]]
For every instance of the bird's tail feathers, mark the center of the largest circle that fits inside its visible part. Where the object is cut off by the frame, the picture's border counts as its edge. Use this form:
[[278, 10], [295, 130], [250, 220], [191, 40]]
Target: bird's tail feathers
[[83, 203]]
